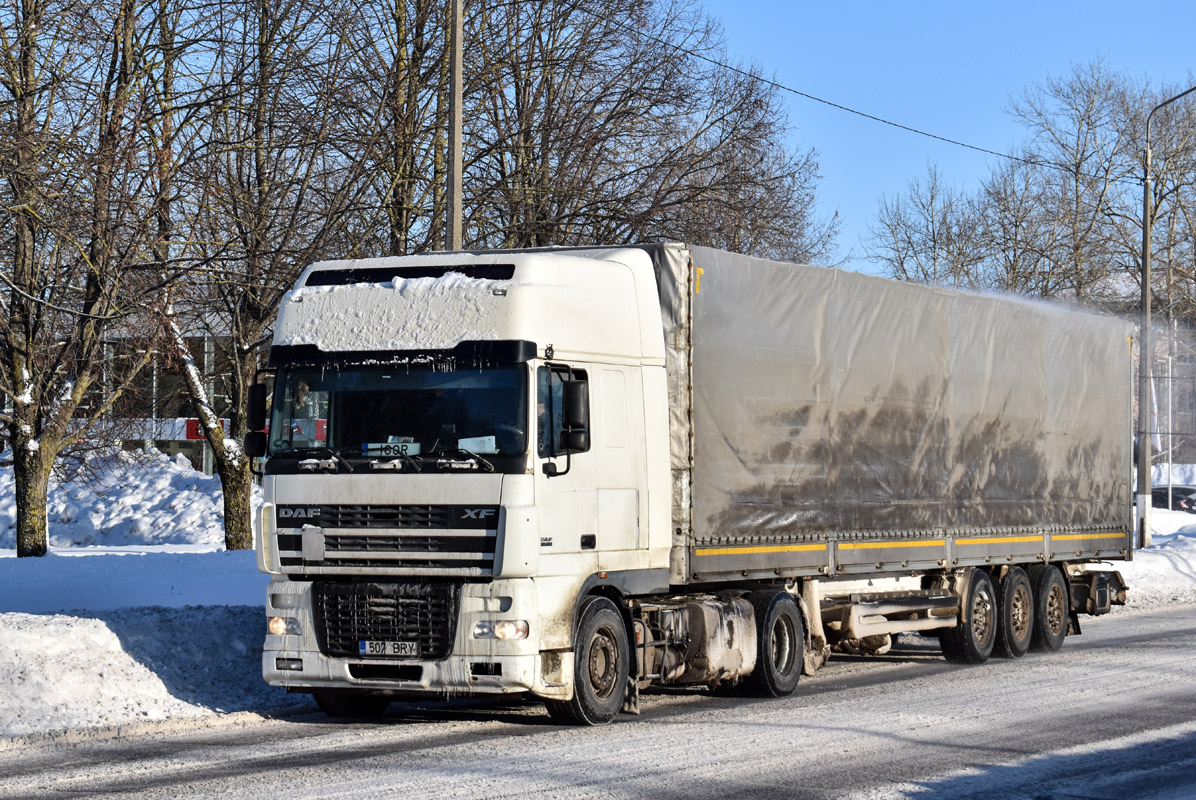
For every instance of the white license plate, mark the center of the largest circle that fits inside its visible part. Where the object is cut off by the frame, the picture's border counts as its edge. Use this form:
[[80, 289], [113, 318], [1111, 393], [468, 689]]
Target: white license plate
[[405, 649]]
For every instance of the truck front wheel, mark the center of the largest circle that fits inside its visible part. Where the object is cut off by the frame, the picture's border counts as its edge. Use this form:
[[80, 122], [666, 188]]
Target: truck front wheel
[[780, 640], [602, 662]]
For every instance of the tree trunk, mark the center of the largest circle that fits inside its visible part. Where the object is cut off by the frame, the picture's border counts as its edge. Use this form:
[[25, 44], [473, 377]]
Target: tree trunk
[[237, 485], [31, 476]]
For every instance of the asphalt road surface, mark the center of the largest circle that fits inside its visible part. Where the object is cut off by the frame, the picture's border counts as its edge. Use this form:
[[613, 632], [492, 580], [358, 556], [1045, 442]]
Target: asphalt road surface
[[1112, 715]]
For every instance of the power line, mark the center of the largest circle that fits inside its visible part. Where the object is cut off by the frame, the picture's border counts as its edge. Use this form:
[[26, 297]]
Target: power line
[[783, 87]]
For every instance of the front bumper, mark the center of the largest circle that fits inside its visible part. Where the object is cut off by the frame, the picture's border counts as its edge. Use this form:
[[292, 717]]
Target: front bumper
[[473, 665]]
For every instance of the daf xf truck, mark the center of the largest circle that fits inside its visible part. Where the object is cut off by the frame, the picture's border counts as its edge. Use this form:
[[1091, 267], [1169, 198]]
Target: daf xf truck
[[575, 473]]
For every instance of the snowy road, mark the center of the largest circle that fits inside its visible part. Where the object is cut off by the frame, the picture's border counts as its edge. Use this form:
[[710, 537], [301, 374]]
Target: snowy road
[[1111, 716]]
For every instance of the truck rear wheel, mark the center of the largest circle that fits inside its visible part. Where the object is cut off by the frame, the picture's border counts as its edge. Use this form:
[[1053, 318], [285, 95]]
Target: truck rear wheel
[[1015, 617], [972, 640], [780, 640], [1050, 608], [360, 706], [602, 663]]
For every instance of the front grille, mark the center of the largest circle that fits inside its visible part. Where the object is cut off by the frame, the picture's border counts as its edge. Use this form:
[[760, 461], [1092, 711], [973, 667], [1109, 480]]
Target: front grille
[[419, 517], [349, 613], [455, 540], [365, 543], [388, 517]]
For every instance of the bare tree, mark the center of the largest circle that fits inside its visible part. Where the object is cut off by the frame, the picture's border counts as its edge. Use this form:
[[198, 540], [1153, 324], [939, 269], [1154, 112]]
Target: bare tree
[[1016, 233], [74, 178], [233, 143], [400, 66], [586, 126], [930, 235], [1076, 127], [279, 180]]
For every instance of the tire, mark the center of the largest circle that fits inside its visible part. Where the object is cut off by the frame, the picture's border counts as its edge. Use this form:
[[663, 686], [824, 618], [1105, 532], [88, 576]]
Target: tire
[[1051, 608], [780, 642], [1015, 614], [601, 666], [973, 639], [354, 706]]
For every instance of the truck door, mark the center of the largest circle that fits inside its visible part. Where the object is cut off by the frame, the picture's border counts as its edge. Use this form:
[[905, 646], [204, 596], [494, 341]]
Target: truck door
[[620, 461], [565, 477]]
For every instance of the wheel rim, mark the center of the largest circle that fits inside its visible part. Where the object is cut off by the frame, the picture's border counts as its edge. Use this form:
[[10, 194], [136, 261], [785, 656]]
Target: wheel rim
[[603, 662], [783, 636], [1055, 613], [1019, 613], [982, 615]]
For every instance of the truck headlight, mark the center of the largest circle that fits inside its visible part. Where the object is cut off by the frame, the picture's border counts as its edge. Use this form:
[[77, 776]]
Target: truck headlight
[[501, 629], [283, 625]]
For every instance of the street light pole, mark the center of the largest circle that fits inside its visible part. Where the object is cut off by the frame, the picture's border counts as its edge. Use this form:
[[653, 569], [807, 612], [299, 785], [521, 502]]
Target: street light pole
[[1145, 349]]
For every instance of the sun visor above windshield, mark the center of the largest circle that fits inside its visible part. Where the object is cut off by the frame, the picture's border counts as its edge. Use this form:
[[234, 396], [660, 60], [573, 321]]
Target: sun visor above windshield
[[468, 353]]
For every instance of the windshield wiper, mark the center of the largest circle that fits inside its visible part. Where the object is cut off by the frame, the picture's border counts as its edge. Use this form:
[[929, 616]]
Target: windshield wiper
[[477, 461], [397, 462], [316, 463]]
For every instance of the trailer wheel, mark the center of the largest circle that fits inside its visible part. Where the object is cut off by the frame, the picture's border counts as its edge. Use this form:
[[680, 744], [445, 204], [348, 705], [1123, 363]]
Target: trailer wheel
[[972, 640], [1050, 608], [601, 655], [1015, 620], [780, 640], [360, 706]]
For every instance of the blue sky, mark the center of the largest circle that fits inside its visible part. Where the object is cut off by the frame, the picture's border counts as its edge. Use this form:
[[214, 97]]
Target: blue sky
[[950, 68]]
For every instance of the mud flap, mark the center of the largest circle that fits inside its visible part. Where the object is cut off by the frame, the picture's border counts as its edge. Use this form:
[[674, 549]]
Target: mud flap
[[631, 700], [817, 650]]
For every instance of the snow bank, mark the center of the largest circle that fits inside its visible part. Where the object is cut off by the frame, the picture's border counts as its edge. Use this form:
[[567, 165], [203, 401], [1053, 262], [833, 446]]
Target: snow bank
[[103, 669], [141, 498], [139, 634], [1165, 573], [138, 613]]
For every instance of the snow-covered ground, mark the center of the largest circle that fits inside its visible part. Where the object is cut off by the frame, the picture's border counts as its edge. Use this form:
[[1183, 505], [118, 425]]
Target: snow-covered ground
[[138, 614]]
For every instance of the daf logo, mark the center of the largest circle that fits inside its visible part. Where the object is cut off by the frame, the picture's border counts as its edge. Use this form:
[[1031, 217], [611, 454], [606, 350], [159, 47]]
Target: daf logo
[[478, 513], [298, 513]]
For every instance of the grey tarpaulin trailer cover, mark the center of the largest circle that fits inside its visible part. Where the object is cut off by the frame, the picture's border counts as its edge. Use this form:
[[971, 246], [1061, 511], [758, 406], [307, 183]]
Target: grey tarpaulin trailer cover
[[825, 421]]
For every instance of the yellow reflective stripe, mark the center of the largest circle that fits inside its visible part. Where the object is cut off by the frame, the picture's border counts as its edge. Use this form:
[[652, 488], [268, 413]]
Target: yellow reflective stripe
[[885, 545], [1074, 536], [808, 548], [748, 551], [1000, 540]]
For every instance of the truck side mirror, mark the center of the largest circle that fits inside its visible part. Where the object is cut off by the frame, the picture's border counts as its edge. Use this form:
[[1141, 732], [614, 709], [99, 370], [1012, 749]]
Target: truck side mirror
[[574, 442], [256, 407], [255, 444], [575, 423], [576, 404]]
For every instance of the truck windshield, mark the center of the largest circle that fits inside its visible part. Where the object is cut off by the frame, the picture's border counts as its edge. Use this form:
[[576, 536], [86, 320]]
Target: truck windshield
[[400, 411]]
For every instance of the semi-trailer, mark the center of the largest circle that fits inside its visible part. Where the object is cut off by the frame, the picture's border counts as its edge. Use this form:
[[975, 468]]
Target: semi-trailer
[[575, 473]]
